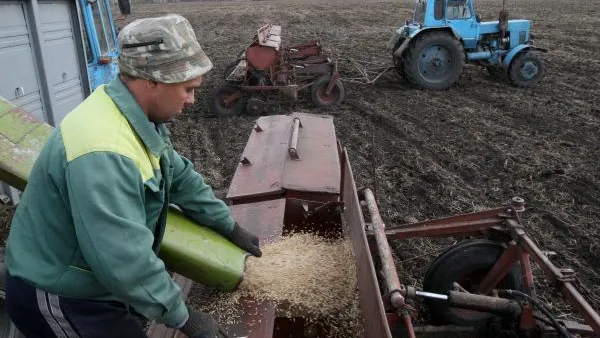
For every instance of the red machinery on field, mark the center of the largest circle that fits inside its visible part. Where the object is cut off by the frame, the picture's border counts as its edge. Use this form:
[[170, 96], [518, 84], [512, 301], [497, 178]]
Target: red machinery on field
[[294, 174], [267, 70]]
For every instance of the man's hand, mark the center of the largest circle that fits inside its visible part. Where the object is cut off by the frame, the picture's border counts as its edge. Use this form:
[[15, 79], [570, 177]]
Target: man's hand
[[202, 325], [245, 240]]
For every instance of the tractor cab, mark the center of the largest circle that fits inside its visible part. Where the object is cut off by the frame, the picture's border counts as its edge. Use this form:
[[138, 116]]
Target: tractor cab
[[457, 15], [431, 13]]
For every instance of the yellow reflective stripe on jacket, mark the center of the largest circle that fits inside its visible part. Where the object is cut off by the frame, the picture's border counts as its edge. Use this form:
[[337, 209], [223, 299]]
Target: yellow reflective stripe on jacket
[[98, 125]]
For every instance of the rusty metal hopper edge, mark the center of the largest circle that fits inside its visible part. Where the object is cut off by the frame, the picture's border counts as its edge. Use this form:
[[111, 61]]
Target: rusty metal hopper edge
[[374, 319]]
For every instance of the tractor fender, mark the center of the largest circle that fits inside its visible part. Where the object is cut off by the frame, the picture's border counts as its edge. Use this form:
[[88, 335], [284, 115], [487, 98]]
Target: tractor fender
[[515, 51], [404, 46]]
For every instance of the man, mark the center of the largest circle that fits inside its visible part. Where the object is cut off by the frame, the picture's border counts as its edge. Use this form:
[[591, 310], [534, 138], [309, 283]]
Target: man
[[81, 254]]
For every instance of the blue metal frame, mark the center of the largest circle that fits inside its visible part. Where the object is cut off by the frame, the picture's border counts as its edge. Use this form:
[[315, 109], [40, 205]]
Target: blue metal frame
[[100, 72]]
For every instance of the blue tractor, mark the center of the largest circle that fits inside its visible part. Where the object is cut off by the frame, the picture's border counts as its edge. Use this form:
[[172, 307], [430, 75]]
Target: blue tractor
[[430, 51]]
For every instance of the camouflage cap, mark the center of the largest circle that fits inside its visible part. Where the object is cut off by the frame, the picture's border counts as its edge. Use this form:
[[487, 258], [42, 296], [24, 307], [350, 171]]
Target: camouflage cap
[[163, 49]]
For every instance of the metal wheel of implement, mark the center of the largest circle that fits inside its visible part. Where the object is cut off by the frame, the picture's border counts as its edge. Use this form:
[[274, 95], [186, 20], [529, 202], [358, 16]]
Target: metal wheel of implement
[[434, 61], [467, 264], [319, 96], [526, 70], [223, 102]]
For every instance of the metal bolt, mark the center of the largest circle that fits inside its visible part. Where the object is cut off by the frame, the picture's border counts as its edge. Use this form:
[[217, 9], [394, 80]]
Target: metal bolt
[[518, 203]]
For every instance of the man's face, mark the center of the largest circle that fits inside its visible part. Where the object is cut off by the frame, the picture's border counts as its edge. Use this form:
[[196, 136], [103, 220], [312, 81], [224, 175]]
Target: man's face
[[169, 99]]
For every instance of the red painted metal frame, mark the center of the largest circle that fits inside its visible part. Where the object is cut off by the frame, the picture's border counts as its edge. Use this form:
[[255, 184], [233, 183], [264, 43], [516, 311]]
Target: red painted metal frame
[[521, 248], [564, 281], [281, 67]]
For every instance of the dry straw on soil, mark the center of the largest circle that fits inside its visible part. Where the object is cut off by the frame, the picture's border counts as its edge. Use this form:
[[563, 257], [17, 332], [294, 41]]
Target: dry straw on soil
[[303, 275]]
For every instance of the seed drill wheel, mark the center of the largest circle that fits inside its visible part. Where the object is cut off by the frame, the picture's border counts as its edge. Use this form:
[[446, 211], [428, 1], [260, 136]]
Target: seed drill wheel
[[223, 101], [320, 98], [466, 264], [526, 70], [435, 60]]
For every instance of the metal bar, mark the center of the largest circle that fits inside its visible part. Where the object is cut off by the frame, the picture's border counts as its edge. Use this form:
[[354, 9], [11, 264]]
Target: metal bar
[[90, 27], [103, 23], [448, 229], [293, 147], [502, 266], [490, 304], [261, 88], [528, 321], [409, 327], [591, 317], [498, 214], [381, 74], [526, 272], [390, 275], [431, 295], [566, 286]]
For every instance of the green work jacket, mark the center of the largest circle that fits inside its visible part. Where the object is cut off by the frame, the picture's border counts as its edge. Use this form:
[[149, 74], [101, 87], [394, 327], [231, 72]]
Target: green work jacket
[[93, 214]]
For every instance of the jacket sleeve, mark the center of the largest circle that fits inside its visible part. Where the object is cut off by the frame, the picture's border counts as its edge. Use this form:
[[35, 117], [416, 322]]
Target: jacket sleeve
[[106, 195], [196, 198]]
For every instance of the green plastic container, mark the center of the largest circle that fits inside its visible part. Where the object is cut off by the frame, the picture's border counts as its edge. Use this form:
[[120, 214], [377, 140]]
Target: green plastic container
[[188, 249], [201, 254]]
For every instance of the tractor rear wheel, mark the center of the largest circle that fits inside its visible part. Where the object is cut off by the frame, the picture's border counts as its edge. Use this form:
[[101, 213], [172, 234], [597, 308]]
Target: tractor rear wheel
[[227, 101], [467, 264], [319, 96], [434, 60], [526, 70]]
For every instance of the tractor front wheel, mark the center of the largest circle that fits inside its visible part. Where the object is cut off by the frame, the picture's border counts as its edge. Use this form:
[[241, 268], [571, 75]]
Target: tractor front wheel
[[320, 98], [526, 70], [434, 60], [227, 101]]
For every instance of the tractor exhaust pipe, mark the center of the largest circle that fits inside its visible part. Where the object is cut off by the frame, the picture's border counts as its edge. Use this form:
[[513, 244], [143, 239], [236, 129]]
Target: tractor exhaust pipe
[[503, 23]]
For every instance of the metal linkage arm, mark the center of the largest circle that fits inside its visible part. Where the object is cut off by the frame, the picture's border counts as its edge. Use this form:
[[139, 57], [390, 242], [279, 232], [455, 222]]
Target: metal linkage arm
[[564, 278]]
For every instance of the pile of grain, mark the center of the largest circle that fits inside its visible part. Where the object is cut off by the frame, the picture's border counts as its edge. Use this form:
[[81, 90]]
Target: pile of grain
[[303, 275]]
